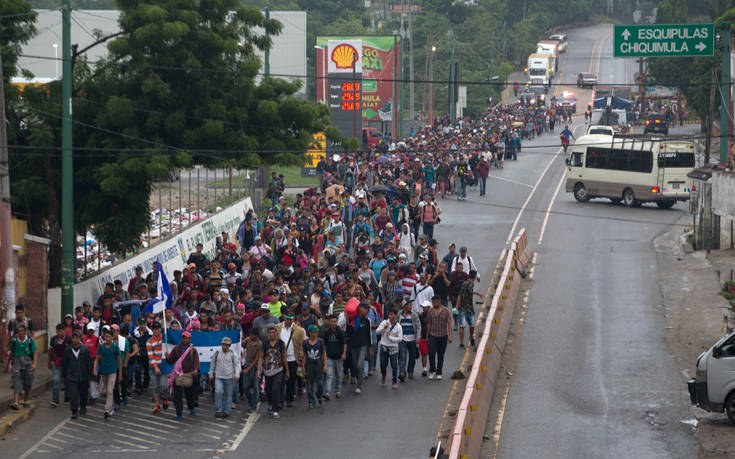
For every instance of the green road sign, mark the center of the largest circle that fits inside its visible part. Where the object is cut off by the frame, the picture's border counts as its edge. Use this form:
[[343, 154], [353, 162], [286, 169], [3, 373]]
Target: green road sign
[[664, 40]]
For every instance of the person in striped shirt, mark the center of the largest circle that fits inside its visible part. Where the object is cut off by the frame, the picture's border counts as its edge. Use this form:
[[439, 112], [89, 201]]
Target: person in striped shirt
[[159, 383], [409, 280], [407, 350]]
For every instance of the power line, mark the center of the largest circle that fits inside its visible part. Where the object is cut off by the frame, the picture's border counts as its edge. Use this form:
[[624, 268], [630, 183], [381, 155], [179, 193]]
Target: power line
[[318, 77], [465, 150]]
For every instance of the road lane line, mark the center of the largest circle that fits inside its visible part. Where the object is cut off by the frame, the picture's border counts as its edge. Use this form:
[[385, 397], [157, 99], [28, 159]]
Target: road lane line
[[548, 210], [553, 198], [530, 195], [509, 180], [252, 418], [51, 433]]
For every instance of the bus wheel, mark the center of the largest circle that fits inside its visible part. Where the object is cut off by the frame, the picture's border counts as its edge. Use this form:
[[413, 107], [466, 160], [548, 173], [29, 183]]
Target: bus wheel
[[665, 204], [629, 197], [580, 193]]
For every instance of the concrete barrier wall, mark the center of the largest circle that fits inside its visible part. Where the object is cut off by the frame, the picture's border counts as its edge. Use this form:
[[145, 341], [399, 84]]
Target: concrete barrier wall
[[172, 253], [465, 439]]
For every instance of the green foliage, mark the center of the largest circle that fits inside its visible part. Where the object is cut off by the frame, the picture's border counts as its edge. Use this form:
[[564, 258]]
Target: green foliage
[[180, 86]]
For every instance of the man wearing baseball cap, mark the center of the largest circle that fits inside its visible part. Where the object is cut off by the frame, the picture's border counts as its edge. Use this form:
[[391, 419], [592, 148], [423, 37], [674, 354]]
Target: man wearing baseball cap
[[185, 359], [263, 321], [224, 370]]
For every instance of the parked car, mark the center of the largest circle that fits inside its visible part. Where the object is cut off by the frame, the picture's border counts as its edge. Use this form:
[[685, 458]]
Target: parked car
[[656, 122], [713, 387], [586, 79], [600, 129]]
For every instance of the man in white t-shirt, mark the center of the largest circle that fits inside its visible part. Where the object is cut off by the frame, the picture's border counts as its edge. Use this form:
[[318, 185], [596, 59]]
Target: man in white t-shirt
[[419, 293]]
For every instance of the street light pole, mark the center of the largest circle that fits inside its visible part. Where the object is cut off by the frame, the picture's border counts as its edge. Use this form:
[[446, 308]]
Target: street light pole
[[431, 86], [67, 168], [725, 94]]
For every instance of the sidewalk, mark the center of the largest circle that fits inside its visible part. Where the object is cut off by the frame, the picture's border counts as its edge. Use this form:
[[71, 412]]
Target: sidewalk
[[43, 380], [695, 316]]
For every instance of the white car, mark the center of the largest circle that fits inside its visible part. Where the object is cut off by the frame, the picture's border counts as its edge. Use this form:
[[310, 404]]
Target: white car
[[600, 129]]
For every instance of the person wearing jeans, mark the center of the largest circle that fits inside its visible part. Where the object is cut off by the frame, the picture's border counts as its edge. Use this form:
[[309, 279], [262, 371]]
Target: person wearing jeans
[[360, 342], [251, 368], [391, 335], [58, 345], [224, 369], [407, 351], [439, 325], [334, 339], [293, 337], [273, 365]]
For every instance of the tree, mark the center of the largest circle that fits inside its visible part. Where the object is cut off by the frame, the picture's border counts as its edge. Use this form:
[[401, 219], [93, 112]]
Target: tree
[[181, 85]]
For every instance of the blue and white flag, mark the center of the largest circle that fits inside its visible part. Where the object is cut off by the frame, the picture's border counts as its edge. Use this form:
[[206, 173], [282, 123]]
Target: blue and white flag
[[163, 297], [206, 343]]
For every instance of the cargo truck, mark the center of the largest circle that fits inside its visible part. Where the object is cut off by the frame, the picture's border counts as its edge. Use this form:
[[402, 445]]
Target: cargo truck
[[539, 68]]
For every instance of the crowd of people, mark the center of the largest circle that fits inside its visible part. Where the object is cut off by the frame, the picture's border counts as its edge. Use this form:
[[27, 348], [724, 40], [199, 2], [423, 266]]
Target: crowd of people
[[327, 290]]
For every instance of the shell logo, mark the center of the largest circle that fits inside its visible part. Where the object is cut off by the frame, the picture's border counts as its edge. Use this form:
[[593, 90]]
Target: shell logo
[[343, 56]]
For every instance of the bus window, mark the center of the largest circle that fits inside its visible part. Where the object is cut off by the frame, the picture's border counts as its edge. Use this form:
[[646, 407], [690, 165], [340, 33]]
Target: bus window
[[576, 160], [676, 159]]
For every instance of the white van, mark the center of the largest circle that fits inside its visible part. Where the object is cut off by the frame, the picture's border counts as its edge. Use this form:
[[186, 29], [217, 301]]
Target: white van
[[713, 388]]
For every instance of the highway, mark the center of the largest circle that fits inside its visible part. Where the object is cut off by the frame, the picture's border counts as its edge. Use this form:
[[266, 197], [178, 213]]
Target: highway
[[594, 377]]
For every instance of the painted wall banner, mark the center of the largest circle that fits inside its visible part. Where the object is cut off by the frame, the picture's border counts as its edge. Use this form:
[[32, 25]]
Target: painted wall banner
[[172, 253], [377, 73]]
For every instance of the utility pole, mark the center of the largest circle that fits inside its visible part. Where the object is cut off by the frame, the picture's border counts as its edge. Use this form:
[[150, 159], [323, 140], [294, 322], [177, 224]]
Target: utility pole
[[426, 76], [432, 50], [267, 56], [710, 115], [394, 109], [411, 96], [725, 93], [7, 270], [452, 84], [67, 168]]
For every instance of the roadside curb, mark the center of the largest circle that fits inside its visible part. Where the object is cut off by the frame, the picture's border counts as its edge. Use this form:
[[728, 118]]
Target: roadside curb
[[464, 437], [44, 383], [14, 418]]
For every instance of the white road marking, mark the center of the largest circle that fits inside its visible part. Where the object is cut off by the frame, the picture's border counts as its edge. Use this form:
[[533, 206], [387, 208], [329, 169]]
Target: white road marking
[[252, 418], [548, 209], [509, 180], [530, 195], [45, 437]]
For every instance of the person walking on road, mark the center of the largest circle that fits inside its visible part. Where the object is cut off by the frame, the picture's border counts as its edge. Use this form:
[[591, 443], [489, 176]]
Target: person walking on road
[[439, 326], [334, 340], [253, 351], [564, 136], [275, 369], [466, 309], [314, 363], [109, 366], [159, 384], [58, 345], [293, 335], [76, 371], [359, 332], [391, 335], [185, 359], [483, 170], [24, 351], [224, 370], [407, 350]]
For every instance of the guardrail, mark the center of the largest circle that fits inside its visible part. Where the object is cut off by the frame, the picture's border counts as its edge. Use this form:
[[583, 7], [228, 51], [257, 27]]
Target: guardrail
[[465, 439]]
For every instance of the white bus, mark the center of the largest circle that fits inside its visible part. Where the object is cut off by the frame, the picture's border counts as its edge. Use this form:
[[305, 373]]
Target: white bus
[[631, 168]]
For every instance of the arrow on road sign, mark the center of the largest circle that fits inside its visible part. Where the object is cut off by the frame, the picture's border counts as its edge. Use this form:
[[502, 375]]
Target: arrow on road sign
[[625, 34], [700, 46]]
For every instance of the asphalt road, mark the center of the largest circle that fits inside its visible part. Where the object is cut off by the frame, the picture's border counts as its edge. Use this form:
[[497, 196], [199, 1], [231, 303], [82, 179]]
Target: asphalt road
[[594, 377], [593, 365]]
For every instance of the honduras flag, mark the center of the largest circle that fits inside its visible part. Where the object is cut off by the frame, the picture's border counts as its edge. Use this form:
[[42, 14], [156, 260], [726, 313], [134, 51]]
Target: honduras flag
[[206, 344], [164, 296]]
